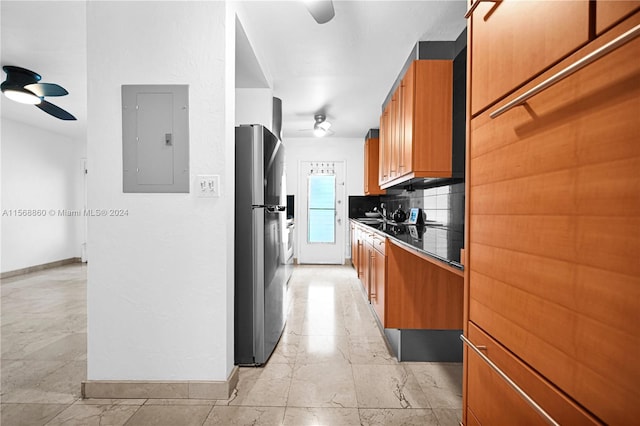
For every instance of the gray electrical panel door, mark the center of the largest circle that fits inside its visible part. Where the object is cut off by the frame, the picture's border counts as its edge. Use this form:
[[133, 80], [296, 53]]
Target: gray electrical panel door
[[155, 138]]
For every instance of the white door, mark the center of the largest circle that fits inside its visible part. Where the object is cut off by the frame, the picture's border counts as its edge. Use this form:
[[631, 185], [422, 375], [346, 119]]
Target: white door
[[321, 232]]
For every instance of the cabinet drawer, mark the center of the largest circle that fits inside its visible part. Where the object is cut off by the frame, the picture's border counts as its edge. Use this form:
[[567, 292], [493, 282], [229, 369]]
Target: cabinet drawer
[[554, 220], [513, 41], [492, 401], [379, 243]]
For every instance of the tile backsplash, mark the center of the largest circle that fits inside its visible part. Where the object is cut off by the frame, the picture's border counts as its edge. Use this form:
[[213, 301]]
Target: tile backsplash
[[442, 204]]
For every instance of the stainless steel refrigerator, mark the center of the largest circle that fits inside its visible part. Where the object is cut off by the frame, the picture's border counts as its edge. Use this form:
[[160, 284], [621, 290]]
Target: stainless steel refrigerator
[[260, 264]]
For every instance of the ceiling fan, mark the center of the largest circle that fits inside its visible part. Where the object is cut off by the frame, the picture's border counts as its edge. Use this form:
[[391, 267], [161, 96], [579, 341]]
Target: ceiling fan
[[321, 126], [321, 10], [24, 86]]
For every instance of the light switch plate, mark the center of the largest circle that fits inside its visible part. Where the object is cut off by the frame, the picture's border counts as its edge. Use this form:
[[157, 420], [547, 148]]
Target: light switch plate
[[208, 186]]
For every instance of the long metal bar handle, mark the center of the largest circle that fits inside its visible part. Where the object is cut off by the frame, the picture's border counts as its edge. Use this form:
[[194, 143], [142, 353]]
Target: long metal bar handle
[[474, 5], [576, 66], [511, 383]]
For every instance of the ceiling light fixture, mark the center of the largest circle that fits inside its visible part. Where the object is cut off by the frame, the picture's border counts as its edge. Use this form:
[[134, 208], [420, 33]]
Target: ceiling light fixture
[[321, 10], [321, 127], [21, 95]]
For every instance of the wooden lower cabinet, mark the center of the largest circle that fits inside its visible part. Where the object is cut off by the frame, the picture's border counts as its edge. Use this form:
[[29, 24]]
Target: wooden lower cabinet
[[492, 401], [421, 294], [355, 247], [554, 233], [378, 278], [405, 289]]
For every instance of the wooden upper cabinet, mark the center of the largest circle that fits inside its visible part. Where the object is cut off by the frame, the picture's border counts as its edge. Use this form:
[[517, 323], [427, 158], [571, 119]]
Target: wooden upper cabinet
[[547, 31], [418, 142], [610, 12], [371, 165], [385, 146], [394, 124], [407, 88]]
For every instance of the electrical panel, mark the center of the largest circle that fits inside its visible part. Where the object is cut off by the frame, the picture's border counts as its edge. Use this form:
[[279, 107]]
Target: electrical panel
[[155, 138]]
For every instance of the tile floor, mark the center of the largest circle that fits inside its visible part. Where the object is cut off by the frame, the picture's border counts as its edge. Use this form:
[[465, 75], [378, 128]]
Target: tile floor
[[331, 366]]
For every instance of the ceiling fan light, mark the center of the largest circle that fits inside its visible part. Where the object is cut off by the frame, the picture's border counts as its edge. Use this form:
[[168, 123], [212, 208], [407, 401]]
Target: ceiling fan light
[[21, 95], [324, 125], [319, 131]]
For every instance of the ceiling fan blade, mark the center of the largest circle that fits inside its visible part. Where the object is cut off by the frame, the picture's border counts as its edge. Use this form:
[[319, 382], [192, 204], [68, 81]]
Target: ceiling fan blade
[[321, 10], [56, 111], [46, 89]]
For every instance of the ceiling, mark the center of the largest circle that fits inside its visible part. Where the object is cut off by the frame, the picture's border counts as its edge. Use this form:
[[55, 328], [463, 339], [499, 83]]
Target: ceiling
[[344, 68], [48, 37]]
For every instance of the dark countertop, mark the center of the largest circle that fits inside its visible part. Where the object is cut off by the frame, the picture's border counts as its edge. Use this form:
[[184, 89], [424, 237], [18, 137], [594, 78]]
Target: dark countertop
[[434, 240]]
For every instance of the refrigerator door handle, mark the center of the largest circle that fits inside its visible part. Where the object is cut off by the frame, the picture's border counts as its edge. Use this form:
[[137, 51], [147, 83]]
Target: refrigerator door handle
[[275, 209]]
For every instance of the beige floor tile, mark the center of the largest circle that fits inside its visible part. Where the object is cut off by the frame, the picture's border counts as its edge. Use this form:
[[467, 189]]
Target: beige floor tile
[[314, 349], [170, 415], [387, 386], [370, 350], [182, 401], [322, 385], [448, 416], [67, 348], [98, 401], [286, 351], [94, 415], [295, 416], [26, 373], [62, 386], [16, 346], [331, 361], [441, 382], [247, 378], [271, 388], [387, 417], [29, 414], [241, 416]]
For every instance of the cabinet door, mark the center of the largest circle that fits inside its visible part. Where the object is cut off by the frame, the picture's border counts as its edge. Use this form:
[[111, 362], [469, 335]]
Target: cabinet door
[[354, 247], [385, 146], [491, 401], [368, 268], [406, 154], [432, 118], [378, 282], [367, 165], [610, 12], [554, 231], [371, 165], [394, 120], [513, 41], [412, 279]]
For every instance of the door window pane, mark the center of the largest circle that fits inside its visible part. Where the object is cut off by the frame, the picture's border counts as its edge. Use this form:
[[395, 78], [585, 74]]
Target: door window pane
[[322, 209]]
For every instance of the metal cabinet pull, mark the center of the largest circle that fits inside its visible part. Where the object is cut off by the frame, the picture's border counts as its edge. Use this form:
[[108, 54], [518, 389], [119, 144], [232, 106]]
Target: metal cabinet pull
[[474, 5], [576, 66], [511, 383]]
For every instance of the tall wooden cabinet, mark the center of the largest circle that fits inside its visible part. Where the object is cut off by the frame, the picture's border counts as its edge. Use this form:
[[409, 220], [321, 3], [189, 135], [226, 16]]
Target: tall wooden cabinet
[[416, 125], [371, 165], [552, 277]]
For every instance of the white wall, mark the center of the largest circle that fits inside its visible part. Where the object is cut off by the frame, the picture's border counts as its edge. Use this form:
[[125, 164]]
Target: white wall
[[41, 173], [160, 280], [254, 106], [349, 150]]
